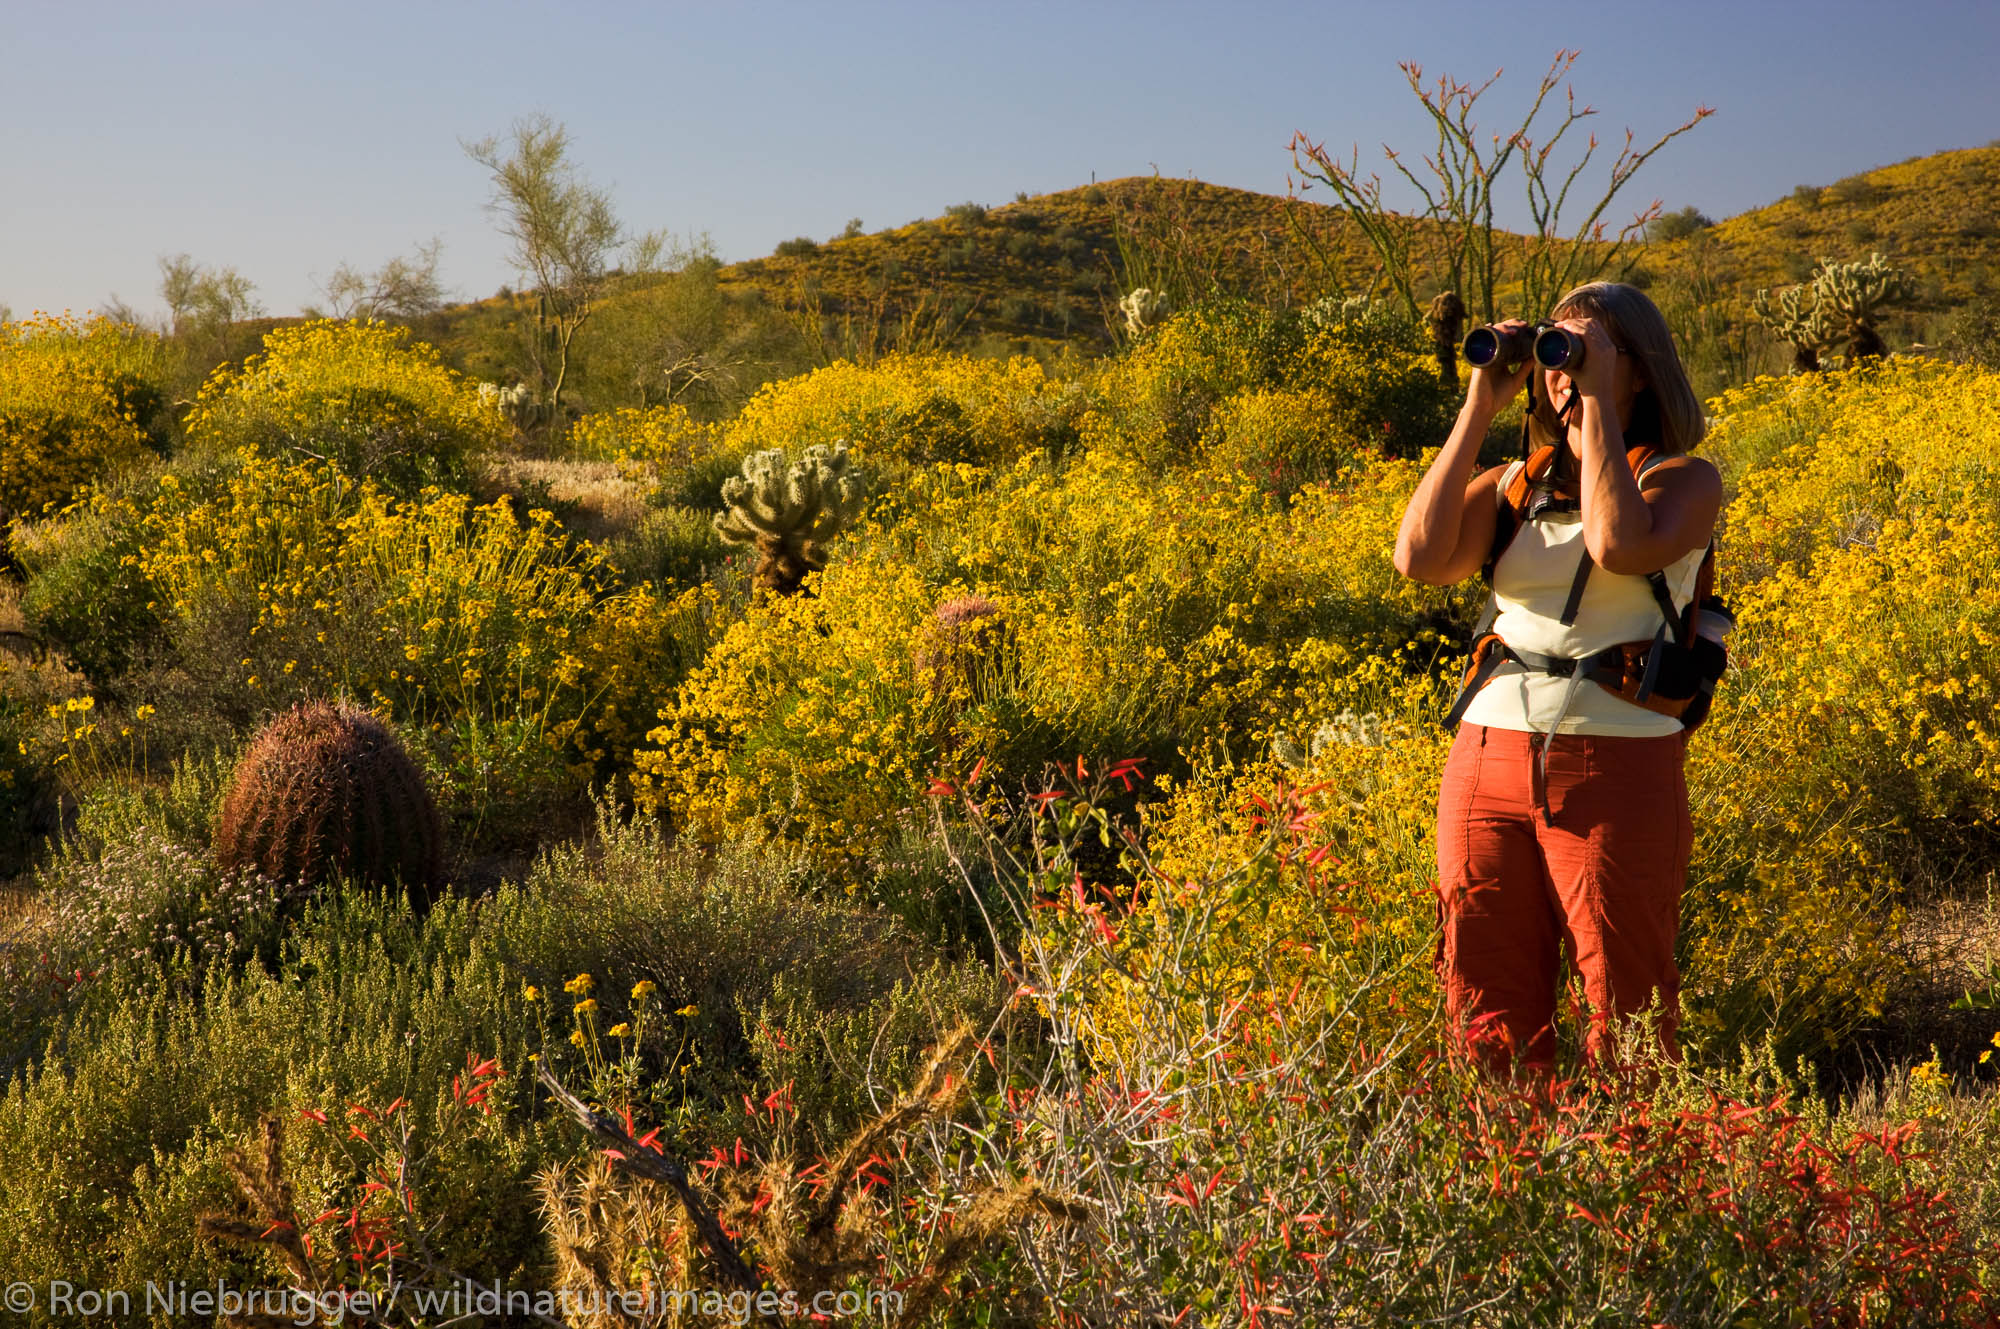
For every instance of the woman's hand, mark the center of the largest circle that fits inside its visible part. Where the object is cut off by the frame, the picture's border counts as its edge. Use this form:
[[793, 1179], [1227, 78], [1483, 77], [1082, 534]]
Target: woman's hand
[[1495, 385], [1597, 376]]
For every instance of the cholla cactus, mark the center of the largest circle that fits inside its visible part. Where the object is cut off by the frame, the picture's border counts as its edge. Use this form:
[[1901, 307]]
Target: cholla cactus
[[516, 404], [1857, 292], [790, 512], [1799, 315], [1142, 308], [1334, 311], [1839, 304]]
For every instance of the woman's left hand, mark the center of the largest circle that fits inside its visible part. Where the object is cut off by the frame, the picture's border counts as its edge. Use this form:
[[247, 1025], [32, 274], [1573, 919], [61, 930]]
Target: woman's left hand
[[1598, 372]]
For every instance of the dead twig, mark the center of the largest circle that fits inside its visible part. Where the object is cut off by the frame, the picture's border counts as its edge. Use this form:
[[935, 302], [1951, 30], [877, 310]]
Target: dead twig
[[657, 1165]]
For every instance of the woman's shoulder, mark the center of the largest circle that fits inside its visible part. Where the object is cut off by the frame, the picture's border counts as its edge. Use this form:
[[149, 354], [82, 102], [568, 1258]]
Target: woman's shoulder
[[1682, 471]]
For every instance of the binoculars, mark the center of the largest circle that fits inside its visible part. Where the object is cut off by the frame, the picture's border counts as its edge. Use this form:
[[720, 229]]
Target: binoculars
[[1550, 346]]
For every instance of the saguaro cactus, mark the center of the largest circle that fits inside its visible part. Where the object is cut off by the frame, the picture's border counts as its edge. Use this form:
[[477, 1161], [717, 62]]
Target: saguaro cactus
[[790, 512], [326, 789]]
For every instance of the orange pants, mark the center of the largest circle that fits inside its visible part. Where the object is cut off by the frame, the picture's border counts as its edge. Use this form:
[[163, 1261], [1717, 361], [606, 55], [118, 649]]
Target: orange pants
[[1599, 873]]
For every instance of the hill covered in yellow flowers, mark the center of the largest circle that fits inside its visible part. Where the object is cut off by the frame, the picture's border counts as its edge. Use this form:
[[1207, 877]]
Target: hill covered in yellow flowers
[[1043, 273], [1051, 266]]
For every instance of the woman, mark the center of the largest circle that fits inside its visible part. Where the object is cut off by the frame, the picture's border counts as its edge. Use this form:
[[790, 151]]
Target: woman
[[1563, 816]]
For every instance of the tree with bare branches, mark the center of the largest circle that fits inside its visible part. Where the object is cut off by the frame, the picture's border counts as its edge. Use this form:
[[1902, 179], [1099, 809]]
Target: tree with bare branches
[[563, 231]]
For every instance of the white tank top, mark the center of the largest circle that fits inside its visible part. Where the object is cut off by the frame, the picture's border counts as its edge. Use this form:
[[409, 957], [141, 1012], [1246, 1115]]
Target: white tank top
[[1531, 583]]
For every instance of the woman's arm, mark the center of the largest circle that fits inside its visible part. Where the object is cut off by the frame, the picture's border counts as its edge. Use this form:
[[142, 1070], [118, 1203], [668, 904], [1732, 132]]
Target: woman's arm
[[1634, 529], [1629, 528], [1447, 528]]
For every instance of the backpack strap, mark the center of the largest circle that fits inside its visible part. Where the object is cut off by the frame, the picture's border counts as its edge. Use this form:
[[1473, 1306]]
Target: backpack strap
[[1575, 600], [1510, 499]]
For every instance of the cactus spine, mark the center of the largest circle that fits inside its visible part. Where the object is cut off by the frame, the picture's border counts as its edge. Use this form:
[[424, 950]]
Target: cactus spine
[[790, 513], [324, 790]]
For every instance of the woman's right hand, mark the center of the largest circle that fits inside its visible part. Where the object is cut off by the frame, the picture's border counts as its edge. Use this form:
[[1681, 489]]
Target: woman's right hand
[[1495, 385]]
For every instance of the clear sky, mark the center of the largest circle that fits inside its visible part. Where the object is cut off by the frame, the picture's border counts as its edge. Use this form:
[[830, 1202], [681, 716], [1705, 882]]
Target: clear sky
[[283, 138]]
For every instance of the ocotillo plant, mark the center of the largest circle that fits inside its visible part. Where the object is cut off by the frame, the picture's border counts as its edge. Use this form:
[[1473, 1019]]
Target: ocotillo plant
[[1800, 316], [790, 512], [1857, 293], [325, 790]]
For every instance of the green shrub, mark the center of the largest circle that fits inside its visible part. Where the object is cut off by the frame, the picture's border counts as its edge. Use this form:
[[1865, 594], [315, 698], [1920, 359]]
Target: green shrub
[[85, 594], [108, 1169], [1358, 382], [785, 983], [672, 546]]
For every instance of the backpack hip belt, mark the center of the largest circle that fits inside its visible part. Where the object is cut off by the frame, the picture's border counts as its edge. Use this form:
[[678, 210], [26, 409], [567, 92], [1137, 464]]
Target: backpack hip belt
[[1673, 674]]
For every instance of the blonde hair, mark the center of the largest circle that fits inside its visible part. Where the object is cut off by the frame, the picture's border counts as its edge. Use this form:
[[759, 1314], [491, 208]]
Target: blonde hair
[[1666, 414]]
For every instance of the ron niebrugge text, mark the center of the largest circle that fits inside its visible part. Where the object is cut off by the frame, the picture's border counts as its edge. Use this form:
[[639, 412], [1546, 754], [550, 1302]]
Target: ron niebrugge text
[[300, 1306]]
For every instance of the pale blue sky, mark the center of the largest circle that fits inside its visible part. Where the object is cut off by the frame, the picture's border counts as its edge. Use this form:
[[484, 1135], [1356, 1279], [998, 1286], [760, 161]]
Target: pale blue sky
[[282, 139]]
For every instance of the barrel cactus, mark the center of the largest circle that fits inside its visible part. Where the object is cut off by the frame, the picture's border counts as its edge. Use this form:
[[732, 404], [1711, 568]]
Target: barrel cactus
[[790, 512], [961, 654], [325, 790]]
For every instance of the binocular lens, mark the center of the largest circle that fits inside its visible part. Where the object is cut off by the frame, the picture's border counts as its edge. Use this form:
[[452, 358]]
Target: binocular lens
[[1558, 348], [1482, 347]]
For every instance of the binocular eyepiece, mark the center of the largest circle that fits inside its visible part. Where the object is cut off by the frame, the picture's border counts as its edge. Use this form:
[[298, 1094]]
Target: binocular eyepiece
[[1550, 346]]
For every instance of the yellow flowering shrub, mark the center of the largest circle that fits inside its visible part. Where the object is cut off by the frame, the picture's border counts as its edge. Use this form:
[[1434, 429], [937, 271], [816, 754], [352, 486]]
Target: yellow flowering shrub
[[661, 435], [490, 638], [1258, 392], [1380, 397], [1153, 404], [803, 721], [1354, 893], [1276, 438], [1146, 618], [73, 395], [1831, 456], [361, 395], [636, 648], [426, 607], [910, 410]]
